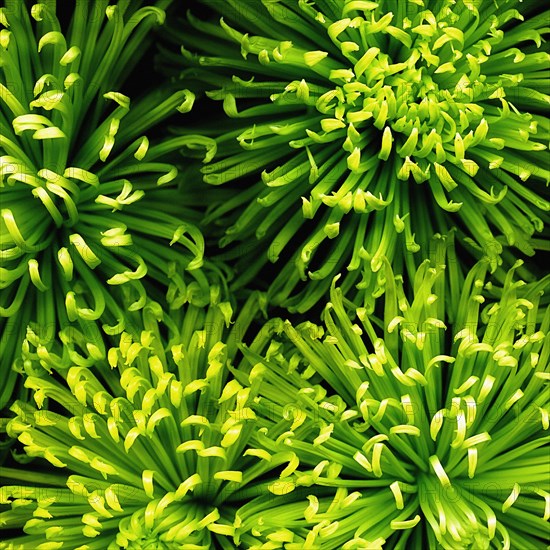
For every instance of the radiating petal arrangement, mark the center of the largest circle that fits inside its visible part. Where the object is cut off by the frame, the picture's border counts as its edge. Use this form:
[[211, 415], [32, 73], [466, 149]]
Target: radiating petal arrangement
[[273, 275], [152, 442], [382, 123], [428, 430], [86, 197]]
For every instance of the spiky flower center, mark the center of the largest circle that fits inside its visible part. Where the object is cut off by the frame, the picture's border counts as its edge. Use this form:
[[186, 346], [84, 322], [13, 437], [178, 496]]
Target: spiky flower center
[[75, 164], [152, 443], [349, 105], [404, 91], [434, 85], [422, 442]]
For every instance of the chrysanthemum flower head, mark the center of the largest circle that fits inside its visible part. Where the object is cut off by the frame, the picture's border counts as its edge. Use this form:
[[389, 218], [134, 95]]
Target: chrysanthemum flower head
[[414, 431], [374, 125], [89, 206], [149, 448]]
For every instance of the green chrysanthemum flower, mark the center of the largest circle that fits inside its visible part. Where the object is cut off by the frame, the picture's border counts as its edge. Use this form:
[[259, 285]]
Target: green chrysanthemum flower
[[374, 125], [87, 207], [151, 445], [431, 433]]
